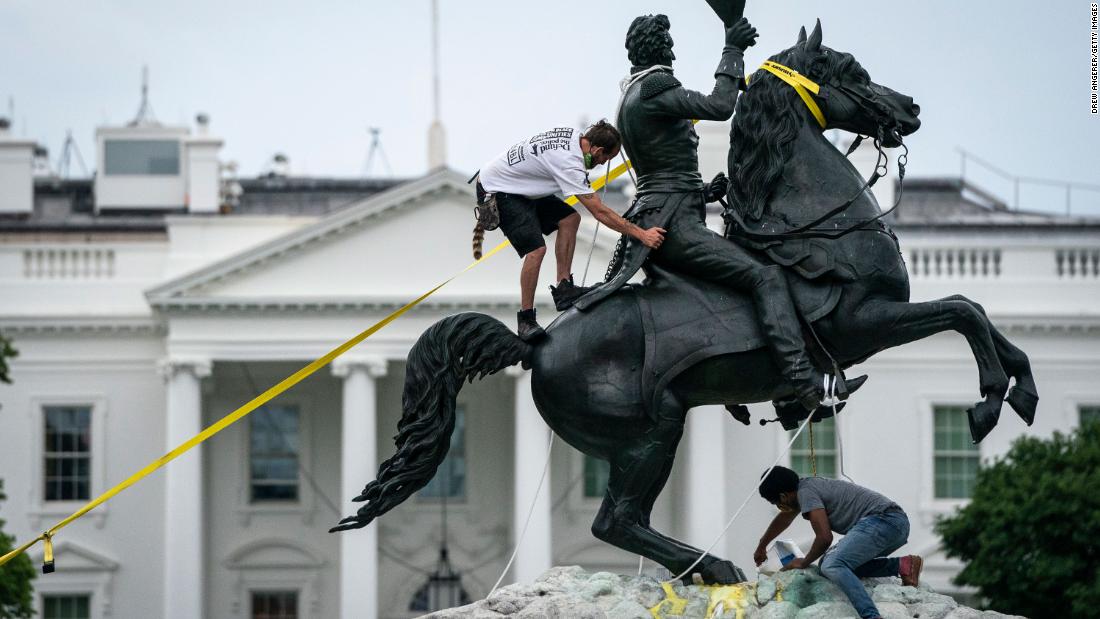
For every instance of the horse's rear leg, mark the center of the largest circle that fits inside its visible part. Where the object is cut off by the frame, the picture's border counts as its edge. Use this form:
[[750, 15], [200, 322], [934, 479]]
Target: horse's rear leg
[[1023, 397], [638, 474], [886, 324]]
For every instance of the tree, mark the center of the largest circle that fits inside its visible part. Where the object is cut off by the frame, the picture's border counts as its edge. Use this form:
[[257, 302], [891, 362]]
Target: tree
[[1028, 535], [16, 593]]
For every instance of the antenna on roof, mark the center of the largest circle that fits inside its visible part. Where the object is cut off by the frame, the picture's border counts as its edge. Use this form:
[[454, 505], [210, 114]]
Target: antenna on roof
[[67, 151], [376, 149], [145, 112]]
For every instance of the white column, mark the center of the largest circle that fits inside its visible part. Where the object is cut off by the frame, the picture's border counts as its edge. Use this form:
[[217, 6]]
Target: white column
[[358, 465], [535, 555], [707, 478], [183, 506]]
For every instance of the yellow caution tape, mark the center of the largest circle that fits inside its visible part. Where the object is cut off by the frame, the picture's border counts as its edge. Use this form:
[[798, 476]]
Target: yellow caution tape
[[230, 419], [801, 84], [263, 398], [598, 184], [616, 172]]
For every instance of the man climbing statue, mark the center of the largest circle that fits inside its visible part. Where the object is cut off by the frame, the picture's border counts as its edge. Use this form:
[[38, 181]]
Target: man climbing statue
[[523, 180], [655, 119]]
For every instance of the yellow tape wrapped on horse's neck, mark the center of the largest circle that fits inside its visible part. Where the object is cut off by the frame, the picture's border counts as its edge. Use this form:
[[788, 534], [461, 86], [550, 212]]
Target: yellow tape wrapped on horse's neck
[[801, 84]]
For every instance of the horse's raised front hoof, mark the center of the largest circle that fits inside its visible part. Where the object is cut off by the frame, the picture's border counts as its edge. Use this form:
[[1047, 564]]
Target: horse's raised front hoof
[[1024, 402], [983, 418]]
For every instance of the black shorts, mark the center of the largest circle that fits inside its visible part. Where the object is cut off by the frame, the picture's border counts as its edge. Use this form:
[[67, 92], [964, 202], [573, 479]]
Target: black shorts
[[525, 221]]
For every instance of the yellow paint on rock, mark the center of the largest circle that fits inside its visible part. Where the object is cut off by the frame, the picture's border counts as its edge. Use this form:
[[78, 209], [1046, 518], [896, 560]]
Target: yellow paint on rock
[[729, 597], [672, 603]]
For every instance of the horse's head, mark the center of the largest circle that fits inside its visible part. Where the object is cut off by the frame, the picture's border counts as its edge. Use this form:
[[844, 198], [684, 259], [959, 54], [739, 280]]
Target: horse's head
[[772, 111], [848, 98]]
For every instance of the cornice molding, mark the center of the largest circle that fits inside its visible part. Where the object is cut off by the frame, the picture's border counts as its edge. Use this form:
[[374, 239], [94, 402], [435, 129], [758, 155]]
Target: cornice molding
[[336, 305], [81, 325]]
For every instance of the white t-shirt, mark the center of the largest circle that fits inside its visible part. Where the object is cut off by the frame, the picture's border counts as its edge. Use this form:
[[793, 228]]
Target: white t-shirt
[[547, 163]]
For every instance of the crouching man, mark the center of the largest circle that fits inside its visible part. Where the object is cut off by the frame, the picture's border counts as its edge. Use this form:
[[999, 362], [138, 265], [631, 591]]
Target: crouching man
[[873, 526]]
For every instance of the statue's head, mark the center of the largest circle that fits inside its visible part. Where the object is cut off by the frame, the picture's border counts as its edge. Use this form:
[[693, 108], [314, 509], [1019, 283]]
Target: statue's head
[[648, 41]]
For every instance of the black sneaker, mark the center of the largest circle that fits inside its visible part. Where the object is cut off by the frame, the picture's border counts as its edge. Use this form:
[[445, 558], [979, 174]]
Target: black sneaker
[[529, 330], [566, 293]]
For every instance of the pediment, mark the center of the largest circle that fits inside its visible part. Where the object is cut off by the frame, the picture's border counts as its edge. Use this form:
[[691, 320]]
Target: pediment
[[272, 553], [389, 248], [73, 557]]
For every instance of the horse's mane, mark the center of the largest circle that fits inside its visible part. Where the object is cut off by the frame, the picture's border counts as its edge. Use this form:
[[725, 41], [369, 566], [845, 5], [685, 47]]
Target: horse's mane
[[767, 120]]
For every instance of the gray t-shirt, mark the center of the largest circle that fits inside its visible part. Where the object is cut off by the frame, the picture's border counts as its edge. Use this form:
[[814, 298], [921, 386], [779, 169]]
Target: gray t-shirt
[[844, 502]]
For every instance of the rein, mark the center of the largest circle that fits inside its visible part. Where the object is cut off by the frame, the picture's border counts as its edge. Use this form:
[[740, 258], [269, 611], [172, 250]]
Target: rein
[[803, 86]]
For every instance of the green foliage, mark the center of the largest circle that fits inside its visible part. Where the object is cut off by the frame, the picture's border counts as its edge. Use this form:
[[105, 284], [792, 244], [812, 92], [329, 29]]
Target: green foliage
[[16, 593], [6, 352], [1028, 535]]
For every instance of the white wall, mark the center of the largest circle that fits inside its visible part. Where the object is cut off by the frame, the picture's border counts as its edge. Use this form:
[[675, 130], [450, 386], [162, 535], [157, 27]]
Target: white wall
[[117, 373]]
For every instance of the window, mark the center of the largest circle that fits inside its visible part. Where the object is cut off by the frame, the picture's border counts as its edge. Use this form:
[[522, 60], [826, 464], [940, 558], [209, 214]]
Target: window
[[596, 473], [824, 434], [145, 157], [955, 457], [274, 444], [450, 479], [68, 453], [1088, 414], [274, 605], [66, 606]]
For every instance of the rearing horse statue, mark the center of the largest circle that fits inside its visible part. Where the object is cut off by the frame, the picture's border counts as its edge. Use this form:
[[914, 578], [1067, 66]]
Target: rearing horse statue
[[616, 381]]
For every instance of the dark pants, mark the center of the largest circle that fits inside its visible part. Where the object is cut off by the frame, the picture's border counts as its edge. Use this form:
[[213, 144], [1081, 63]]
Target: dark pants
[[692, 248], [525, 221]]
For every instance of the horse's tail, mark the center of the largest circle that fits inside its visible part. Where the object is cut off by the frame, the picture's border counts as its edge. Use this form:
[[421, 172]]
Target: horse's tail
[[479, 240], [457, 348]]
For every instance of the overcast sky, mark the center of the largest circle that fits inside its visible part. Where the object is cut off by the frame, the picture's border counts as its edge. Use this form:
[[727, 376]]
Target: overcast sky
[[1008, 80]]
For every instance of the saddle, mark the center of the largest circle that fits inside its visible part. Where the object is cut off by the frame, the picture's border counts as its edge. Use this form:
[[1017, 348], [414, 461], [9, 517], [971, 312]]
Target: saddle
[[686, 320]]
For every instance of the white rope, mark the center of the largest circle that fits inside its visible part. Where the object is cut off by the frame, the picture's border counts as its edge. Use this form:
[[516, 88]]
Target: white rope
[[628, 81], [840, 446], [530, 512], [641, 562], [745, 502]]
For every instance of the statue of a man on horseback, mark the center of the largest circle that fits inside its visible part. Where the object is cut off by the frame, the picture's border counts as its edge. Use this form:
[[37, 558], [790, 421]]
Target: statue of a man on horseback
[[656, 121], [714, 323]]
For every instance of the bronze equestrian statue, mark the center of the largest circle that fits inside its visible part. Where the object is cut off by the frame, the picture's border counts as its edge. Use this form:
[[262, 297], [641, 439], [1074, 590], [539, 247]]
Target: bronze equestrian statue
[[617, 379]]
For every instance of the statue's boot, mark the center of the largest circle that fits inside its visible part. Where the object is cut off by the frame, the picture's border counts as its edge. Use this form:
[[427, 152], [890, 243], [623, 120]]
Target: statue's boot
[[776, 310], [790, 413]]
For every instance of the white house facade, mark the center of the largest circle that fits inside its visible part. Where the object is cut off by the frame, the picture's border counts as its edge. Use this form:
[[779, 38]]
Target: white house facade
[[139, 325]]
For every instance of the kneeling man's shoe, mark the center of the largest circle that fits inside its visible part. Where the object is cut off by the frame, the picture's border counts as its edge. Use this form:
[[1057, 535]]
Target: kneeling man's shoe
[[910, 568], [566, 292], [529, 330]]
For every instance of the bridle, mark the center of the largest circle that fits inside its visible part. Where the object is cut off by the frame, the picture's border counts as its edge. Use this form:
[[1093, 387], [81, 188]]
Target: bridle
[[884, 120]]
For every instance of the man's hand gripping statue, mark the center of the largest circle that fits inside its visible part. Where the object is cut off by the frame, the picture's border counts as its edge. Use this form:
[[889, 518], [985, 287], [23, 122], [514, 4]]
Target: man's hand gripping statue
[[655, 119]]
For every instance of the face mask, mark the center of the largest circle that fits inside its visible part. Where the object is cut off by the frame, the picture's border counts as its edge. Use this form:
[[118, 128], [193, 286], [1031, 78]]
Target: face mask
[[589, 163]]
